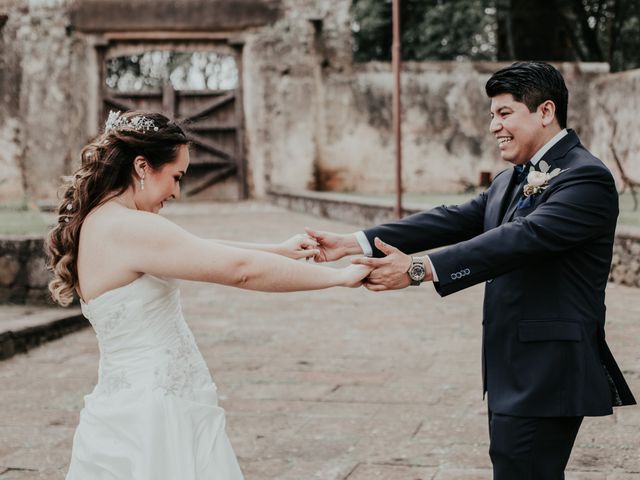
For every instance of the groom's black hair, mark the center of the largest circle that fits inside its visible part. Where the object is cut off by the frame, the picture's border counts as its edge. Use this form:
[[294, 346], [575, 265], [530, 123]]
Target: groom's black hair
[[532, 83]]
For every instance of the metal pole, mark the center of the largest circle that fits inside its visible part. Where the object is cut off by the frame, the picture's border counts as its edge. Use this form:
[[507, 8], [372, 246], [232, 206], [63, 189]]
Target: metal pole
[[395, 61]]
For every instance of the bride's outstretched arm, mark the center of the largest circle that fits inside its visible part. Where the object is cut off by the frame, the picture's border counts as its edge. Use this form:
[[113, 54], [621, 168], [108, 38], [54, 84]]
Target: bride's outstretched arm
[[149, 243], [297, 247]]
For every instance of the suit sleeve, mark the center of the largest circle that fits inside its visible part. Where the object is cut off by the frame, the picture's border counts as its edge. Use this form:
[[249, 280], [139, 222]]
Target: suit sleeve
[[433, 228], [578, 209]]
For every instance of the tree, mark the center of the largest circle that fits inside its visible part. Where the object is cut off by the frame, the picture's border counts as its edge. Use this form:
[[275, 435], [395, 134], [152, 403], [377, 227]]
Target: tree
[[571, 30], [553, 30], [150, 70], [430, 29], [532, 30]]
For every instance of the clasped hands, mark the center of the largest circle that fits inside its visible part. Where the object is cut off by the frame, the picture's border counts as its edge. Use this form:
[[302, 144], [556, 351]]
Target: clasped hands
[[389, 272]]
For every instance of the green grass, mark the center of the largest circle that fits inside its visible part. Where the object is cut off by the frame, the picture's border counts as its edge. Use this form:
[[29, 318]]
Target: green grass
[[21, 220]]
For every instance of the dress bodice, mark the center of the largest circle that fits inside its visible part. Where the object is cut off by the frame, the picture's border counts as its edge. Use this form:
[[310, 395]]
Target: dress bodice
[[144, 341]]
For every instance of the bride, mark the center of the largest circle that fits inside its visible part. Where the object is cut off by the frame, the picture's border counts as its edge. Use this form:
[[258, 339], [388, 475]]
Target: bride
[[154, 413]]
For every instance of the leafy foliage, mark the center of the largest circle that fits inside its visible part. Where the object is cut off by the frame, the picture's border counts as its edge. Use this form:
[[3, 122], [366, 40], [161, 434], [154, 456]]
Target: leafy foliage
[[150, 70], [604, 30], [430, 29], [596, 30]]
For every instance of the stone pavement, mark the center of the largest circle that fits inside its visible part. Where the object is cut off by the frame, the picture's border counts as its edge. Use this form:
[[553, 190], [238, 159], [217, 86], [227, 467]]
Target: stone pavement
[[333, 385]]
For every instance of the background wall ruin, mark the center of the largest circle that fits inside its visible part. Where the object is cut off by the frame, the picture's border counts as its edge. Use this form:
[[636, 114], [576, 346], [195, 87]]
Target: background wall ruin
[[313, 119]]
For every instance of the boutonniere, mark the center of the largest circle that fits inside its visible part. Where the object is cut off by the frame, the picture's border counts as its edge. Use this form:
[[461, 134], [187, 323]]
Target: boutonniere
[[538, 180]]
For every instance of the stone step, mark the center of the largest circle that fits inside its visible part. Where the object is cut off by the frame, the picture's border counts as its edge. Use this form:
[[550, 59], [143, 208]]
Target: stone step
[[25, 327]]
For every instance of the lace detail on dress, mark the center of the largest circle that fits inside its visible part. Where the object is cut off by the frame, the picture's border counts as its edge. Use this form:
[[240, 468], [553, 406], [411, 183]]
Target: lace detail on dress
[[110, 380], [145, 344], [105, 327], [185, 370], [113, 381]]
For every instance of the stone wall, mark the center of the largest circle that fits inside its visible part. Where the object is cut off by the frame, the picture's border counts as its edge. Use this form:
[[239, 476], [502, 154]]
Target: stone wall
[[23, 274], [44, 102], [317, 121], [12, 180], [446, 142], [313, 119], [287, 66], [615, 123], [625, 267]]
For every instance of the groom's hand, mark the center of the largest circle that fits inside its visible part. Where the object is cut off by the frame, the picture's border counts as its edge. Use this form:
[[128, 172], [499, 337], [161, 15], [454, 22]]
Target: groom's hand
[[390, 272], [333, 246]]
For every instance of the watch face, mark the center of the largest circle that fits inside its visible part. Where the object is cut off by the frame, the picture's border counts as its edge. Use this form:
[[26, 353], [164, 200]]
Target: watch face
[[416, 272]]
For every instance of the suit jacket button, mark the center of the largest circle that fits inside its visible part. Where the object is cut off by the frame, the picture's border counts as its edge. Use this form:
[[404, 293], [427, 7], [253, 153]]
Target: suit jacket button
[[490, 280]]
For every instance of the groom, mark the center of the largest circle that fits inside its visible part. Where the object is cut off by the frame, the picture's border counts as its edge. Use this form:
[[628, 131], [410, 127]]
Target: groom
[[541, 238]]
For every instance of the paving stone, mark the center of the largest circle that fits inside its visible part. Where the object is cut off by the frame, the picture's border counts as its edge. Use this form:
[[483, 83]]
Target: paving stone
[[37, 459], [340, 384], [391, 472], [623, 476], [466, 474], [585, 476]]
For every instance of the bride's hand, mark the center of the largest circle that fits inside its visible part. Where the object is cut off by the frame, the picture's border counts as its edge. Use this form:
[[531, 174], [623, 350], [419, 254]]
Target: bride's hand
[[299, 246], [353, 277]]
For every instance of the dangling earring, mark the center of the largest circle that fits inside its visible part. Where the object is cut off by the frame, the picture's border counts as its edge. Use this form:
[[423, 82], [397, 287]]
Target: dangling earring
[[142, 182]]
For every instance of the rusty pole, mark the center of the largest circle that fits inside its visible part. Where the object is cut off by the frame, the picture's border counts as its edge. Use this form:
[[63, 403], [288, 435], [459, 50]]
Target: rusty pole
[[395, 61]]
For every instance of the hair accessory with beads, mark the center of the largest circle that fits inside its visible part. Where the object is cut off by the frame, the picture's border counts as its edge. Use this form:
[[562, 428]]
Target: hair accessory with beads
[[139, 123]]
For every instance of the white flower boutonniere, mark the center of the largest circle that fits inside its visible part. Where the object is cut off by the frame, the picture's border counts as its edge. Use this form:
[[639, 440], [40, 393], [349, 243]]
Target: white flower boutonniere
[[538, 180]]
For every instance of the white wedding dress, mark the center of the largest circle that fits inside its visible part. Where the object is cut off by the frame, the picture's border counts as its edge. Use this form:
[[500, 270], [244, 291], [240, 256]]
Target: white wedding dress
[[154, 413]]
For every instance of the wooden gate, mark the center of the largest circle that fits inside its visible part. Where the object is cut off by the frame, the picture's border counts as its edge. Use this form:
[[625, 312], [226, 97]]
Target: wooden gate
[[214, 124]]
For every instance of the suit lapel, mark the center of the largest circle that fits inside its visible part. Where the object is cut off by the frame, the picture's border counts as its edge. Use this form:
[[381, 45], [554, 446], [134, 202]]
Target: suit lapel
[[515, 197], [511, 208], [555, 153], [496, 205]]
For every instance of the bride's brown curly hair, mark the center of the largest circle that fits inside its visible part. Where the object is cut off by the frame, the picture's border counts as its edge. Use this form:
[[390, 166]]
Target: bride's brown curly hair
[[106, 171]]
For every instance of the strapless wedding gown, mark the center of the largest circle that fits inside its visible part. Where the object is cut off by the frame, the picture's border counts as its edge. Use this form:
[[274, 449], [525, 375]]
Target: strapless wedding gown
[[154, 413]]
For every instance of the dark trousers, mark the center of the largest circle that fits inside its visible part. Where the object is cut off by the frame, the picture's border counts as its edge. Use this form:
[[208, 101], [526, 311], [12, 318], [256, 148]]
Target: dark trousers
[[531, 448]]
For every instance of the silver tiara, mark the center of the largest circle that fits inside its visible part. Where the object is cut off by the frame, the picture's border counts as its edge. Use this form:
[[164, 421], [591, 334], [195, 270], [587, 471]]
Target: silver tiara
[[139, 123]]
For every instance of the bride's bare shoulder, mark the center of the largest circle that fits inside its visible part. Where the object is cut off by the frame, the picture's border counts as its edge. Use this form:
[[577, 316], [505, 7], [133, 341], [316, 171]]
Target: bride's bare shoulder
[[115, 222]]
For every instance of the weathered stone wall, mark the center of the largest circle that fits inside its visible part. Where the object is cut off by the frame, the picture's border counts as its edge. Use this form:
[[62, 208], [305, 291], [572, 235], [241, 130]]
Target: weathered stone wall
[[171, 15], [23, 274], [286, 69], [12, 181], [313, 119], [615, 103], [446, 142], [317, 121], [625, 266], [44, 102]]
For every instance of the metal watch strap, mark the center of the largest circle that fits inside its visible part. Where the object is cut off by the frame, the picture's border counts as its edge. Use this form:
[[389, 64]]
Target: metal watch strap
[[415, 260]]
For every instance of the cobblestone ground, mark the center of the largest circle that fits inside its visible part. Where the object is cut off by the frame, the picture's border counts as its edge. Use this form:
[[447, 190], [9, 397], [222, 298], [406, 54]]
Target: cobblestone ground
[[337, 384]]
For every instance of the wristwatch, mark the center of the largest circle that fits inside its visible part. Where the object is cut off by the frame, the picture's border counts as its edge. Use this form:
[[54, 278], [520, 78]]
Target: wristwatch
[[417, 271]]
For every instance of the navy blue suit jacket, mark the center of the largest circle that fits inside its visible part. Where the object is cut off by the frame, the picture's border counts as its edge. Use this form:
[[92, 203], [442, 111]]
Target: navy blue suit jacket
[[546, 268]]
